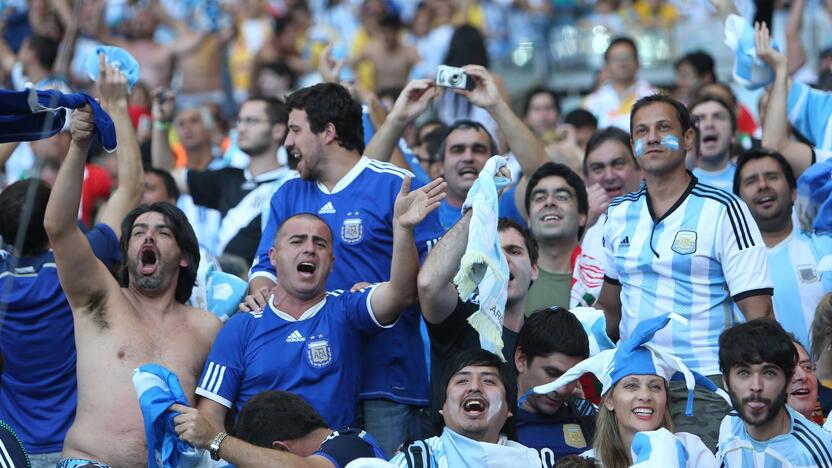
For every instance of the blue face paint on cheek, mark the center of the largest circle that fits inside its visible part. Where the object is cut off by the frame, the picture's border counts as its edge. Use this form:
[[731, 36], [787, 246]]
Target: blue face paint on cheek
[[670, 142], [639, 148]]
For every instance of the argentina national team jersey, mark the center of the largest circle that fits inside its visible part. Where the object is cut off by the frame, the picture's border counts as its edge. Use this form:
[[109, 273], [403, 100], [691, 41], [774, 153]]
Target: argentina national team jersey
[[317, 356], [800, 276], [806, 445], [359, 211], [704, 254]]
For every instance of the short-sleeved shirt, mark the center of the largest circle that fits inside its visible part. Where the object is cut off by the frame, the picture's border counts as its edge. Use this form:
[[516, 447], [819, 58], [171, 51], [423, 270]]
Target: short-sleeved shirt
[[805, 445], [701, 256], [810, 112], [317, 356], [348, 444], [588, 274], [613, 110], [567, 432], [453, 336], [359, 212], [799, 284], [38, 391], [240, 198]]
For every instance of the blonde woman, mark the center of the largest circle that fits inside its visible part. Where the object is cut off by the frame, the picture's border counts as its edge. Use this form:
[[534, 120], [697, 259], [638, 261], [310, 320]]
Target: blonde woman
[[635, 396]]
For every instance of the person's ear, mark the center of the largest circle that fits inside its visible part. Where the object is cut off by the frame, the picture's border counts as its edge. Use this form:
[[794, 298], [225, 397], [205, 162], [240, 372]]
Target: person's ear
[[520, 360], [280, 445]]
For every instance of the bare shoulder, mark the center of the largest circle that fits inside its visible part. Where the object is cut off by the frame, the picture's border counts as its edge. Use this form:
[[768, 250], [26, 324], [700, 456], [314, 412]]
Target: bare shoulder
[[205, 322]]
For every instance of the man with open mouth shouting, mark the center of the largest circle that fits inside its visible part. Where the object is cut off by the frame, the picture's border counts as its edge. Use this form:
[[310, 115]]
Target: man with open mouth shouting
[[306, 340]]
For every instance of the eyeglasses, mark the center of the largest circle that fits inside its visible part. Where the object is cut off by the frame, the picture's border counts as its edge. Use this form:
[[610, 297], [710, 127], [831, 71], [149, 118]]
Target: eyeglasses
[[808, 366], [249, 121]]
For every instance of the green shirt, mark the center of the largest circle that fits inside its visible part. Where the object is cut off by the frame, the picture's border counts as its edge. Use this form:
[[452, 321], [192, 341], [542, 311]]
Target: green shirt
[[549, 289]]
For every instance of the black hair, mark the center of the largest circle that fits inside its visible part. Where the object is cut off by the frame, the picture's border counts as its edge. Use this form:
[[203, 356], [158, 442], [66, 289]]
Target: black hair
[[483, 358], [167, 179], [552, 330], [761, 153], [184, 236], [604, 135], [12, 205], [276, 109], [276, 415], [755, 342], [434, 141], [390, 20], [682, 113], [465, 125], [563, 171], [701, 61], [280, 68], [580, 118], [45, 49], [528, 238], [621, 40], [707, 97], [540, 90], [467, 47], [331, 103]]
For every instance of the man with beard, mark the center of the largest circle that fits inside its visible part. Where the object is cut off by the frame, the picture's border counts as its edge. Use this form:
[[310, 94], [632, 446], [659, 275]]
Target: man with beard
[[121, 325], [677, 244], [355, 197], [717, 125], [758, 360], [766, 183], [240, 194]]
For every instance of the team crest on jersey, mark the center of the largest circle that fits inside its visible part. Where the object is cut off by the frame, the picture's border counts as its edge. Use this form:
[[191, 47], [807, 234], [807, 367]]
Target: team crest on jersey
[[352, 230], [684, 243], [807, 273], [318, 352], [573, 436]]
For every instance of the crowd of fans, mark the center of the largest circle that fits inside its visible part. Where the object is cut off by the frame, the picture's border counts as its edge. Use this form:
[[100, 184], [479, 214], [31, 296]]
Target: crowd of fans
[[283, 225]]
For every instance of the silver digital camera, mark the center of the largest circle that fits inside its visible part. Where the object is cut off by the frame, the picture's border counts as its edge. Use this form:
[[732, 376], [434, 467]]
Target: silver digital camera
[[451, 77]]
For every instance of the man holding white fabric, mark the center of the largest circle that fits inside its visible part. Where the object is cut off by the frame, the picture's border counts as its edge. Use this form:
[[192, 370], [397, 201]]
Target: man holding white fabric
[[446, 314]]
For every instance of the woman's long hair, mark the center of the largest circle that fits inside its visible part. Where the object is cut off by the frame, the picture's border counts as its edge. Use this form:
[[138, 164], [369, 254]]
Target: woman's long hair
[[609, 448]]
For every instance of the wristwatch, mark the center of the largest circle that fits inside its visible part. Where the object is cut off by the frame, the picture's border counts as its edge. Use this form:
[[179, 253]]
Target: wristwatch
[[214, 448]]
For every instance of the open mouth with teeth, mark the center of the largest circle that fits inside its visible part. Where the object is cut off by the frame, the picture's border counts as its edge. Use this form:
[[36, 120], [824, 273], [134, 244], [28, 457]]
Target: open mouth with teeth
[[474, 406], [468, 171], [766, 200], [800, 392], [148, 260], [551, 218], [643, 413]]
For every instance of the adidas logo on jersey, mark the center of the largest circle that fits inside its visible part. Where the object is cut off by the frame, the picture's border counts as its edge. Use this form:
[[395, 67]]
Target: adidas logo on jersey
[[625, 242], [327, 209], [295, 337]]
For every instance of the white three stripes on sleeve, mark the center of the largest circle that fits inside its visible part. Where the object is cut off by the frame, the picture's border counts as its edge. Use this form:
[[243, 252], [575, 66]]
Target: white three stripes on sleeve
[[213, 377]]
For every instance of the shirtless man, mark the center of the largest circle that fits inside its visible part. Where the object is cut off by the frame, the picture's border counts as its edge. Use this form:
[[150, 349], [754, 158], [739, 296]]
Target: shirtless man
[[119, 327], [392, 60]]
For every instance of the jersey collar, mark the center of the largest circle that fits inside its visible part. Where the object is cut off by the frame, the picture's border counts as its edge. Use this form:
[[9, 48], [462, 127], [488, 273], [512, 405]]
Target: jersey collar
[[682, 198], [348, 177], [308, 314]]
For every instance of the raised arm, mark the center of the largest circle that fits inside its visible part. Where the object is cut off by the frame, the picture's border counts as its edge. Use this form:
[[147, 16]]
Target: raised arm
[[795, 52], [411, 103], [193, 427], [437, 293], [112, 91], [776, 124], [161, 154], [526, 147], [389, 298], [84, 279]]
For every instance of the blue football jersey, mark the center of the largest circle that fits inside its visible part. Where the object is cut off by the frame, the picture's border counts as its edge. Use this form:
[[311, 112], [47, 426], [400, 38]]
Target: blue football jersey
[[38, 392], [359, 211], [317, 356]]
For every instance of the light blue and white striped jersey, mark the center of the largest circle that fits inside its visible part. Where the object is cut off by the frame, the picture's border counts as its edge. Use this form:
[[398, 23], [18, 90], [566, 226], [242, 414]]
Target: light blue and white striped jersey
[[798, 280], [704, 254], [721, 179], [806, 445], [810, 112]]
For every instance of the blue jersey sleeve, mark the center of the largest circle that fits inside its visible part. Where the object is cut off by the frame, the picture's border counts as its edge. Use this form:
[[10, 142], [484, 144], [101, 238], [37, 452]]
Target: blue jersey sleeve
[[261, 265], [104, 244], [810, 111], [223, 371], [359, 311], [344, 446]]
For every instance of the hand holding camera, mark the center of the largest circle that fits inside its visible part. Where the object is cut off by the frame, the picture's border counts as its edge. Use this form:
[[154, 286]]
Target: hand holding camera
[[472, 81], [413, 100]]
